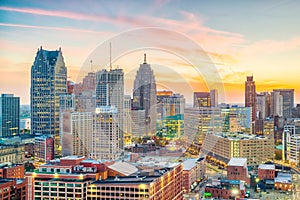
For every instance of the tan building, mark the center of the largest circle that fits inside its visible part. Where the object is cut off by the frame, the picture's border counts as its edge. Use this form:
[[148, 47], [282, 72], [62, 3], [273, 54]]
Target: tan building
[[224, 146], [12, 153]]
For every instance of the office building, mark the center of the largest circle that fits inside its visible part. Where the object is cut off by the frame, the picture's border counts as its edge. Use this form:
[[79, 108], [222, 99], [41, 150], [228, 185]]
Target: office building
[[214, 98], [198, 121], [202, 99], [287, 101], [144, 96], [276, 104], [107, 138], [48, 83], [224, 146], [9, 115], [76, 133], [44, 148], [173, 105], [250, 95], [172, 127], [162, 183], [12, 153], [65, 178], [263, 105], [138, 127]]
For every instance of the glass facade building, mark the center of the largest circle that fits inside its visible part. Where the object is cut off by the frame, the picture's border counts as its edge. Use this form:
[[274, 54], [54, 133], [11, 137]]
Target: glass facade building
[[9, 115], [48, 83]]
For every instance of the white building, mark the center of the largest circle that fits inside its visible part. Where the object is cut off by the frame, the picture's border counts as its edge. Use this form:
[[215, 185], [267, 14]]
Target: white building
[[107, 139]]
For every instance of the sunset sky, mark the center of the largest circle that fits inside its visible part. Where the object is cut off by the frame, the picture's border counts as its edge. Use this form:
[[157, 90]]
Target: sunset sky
[[240, 37]]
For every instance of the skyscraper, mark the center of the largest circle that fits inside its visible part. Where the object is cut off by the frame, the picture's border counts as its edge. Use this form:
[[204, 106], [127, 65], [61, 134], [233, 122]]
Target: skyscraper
[[48, 83], [110, 91], [144, 95], [9, 115], [214, 98], [202, 99], [250, 95], [108, 119], [287, 101]]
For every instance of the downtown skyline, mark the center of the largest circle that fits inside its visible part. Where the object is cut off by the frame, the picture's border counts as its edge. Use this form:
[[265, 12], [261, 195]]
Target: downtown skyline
[[259, 38]]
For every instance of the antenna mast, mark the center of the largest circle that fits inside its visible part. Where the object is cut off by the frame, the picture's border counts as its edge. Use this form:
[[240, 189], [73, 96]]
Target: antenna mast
[[91, 61], [110, 66]]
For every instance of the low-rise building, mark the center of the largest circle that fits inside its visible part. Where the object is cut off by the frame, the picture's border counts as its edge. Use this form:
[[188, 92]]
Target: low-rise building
[[237, 170], [193, 172], [227, 189], [266, 172], [164, 183], [12, 153], [13, 189], [283, 181], [10, 170], [224, 146]]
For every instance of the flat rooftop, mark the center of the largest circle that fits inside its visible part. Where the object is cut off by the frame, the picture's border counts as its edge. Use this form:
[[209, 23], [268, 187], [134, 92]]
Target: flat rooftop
[[128, 180], [238, 162], [266, 166]]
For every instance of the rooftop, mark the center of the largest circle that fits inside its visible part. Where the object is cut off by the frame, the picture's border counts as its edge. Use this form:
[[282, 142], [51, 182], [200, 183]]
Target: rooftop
[[238, 162], [124, 168], [266, 166], [189, 163]]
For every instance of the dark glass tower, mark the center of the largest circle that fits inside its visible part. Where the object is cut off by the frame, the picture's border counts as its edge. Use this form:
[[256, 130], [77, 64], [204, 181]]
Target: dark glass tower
[[250, 95], [48, 83], [9, 115], [144, 95]]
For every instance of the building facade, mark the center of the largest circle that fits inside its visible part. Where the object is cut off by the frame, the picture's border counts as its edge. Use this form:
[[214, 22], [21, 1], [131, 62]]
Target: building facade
[[144, 96], [9, 115], [48, 83], [44, 148], [250, 95], [107, 137]]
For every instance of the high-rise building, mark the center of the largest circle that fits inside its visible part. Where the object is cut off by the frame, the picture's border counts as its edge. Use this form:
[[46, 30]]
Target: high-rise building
[[202, 99], [214, 99], [9, 115], [276, 104], [107, 139], [44, 148], [144, 95], [48, 83], [110, 91], [173, 105], [287, 101], [76, 133], [250, 95], [138, 127], [263, 105]]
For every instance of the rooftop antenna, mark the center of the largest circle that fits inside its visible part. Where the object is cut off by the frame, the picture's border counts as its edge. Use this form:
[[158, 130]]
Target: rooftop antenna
[[145, 62], [91, 61], [110, 66]]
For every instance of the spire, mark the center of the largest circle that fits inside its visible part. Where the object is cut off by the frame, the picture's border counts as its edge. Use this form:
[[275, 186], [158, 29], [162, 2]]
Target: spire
[[145, 62]]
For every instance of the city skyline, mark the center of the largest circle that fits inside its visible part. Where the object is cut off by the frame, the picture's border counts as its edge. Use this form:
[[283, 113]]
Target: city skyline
[[239, 44]]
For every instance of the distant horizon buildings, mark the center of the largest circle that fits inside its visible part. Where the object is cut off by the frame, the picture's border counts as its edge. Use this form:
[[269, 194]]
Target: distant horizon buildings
[[9, 115], [48, 83], [144, 96]]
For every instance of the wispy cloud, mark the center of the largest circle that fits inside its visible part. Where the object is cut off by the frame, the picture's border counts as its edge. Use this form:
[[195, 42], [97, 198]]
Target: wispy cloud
[[53, 28]]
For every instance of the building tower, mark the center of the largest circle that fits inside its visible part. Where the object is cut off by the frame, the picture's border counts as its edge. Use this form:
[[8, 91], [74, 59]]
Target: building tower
[[48, 83], [250, 95], [108, 120], [9, 115], [287, 101], [144, 95]]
